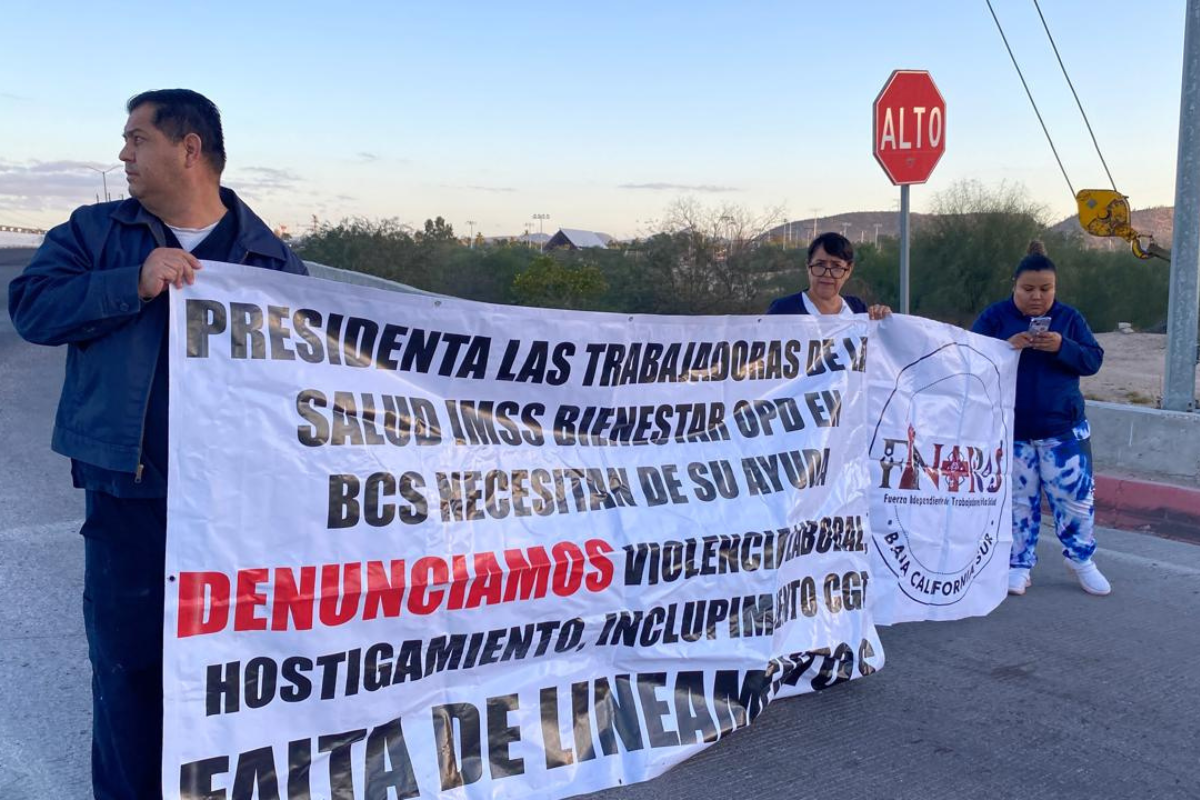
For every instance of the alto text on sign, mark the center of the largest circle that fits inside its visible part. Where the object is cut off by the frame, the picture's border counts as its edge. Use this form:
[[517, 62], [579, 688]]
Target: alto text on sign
[[909, 131]]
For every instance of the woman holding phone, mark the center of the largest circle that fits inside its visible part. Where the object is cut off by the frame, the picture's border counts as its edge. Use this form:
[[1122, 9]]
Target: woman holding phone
[[1051, 440]]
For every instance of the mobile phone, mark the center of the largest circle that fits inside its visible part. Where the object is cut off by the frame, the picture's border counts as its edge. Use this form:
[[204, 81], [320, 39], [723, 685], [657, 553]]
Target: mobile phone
[[1039, 324]]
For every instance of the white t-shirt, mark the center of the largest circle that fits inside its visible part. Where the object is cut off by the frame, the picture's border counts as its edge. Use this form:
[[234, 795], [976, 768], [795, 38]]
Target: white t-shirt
[[811, 307], [190, 238]]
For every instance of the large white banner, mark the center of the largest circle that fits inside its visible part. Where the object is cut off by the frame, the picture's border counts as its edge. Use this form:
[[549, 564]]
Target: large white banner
[[941, 409], [424, 547]]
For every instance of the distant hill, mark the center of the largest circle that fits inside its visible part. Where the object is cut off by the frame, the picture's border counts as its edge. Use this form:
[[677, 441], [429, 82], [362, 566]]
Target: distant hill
[[857, 226], [1159, 221], [860, 226]]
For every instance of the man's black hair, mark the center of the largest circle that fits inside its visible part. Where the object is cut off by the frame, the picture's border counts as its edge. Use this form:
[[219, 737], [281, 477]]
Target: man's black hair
[[178, 112]]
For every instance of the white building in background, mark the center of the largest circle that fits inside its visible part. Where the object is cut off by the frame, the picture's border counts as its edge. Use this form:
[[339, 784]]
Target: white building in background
[[573, 239]]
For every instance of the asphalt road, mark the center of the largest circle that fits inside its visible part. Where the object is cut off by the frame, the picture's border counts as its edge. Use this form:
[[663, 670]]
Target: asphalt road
[[1054, 695]]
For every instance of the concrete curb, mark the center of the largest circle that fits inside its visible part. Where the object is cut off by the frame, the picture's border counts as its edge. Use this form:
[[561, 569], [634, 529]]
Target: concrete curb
[[1160, 508]]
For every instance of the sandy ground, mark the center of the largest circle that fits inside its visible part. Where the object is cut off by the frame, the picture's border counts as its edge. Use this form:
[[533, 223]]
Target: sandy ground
[[1134, 364]]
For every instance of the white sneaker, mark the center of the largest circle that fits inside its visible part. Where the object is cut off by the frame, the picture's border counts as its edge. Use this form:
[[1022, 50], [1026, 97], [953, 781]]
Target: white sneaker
[[1018, 580], [1090, 577]]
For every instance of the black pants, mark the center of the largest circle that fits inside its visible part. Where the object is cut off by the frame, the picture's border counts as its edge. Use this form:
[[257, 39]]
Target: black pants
[[125, 549]]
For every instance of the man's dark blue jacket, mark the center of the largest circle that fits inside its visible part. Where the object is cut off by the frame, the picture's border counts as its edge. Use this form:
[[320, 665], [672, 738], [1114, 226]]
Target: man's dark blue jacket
[[1049, 403], [81, 289]]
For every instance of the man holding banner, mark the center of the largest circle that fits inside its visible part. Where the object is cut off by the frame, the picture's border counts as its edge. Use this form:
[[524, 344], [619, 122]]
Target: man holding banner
[[99, 285]]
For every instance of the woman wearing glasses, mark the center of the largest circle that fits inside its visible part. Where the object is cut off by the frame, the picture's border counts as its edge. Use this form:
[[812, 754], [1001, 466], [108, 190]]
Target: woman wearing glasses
[[830, 262]]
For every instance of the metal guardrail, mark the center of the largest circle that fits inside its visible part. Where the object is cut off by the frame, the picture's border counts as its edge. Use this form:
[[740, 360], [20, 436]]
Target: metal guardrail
[[16, 229], [319, 270]]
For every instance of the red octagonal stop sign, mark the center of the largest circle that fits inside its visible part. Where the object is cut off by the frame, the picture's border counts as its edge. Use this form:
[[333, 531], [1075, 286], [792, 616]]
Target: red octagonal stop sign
[[910, 126]]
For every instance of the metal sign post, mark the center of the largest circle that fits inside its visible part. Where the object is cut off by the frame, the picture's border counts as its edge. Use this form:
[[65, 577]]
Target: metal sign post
[[909, 131], [1183, 303], [904, 291]]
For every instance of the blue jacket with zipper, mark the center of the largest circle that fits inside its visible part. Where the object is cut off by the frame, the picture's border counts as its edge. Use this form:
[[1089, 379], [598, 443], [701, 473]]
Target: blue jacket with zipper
[[794, 304], [1049, 403], [81, 290]]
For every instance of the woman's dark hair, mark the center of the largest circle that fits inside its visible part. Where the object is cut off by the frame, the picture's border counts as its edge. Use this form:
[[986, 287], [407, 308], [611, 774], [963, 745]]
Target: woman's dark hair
[[835, 245], [1035, 261], [178, 112]]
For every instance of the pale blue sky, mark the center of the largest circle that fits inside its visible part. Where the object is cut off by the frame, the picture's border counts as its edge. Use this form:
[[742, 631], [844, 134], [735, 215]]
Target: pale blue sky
[[597, 114]]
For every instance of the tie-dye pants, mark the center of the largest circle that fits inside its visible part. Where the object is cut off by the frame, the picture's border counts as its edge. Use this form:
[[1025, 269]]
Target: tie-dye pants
[[1063, 469]]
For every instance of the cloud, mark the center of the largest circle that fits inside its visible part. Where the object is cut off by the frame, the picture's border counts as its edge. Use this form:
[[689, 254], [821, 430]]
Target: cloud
[[266, 179], [54, 185], [680, 187], [472, 188], [367, 157]]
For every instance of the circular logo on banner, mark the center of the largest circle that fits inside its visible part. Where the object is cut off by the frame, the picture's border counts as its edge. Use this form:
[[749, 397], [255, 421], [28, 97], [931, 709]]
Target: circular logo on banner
[[939, 457]]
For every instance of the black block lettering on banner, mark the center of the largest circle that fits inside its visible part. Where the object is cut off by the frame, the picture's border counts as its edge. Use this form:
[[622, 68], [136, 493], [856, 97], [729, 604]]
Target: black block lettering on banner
[[654, 709], [299, 769], [617, 710], [736, 705], [557, 755], [460, 761], [196, 777], [387, 768], [339, 747], [581, 716], [346, 509], [501, 735], [386, 745], [692, 714], [533, 362], [255, 773], [340, 340], [205, 318]]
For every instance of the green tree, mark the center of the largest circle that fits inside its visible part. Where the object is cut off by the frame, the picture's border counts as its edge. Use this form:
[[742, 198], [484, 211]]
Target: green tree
[[876, 276], [716, 260], [378, 247], [485, 274], [1110, 286], [437, 230], [704, 259], [963, 257], [549, 283]]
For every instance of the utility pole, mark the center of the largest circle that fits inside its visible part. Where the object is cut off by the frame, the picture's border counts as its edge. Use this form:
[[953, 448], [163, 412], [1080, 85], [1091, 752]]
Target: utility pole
[[1179, 387], [471, 225], [876, 240], [815, 212], [845, 227], [104, 180], [541, 218]]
